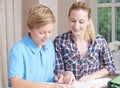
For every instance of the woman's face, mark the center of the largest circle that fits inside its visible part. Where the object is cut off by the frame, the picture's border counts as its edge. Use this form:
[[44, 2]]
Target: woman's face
[[41, 35], [78, 21]]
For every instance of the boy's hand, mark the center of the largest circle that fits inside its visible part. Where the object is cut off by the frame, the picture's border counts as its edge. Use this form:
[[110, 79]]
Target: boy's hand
[[66, 77], [69, 77], [59, 79]]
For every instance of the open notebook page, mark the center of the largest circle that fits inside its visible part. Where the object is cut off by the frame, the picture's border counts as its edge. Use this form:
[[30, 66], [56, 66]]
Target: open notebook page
[[97, 83]]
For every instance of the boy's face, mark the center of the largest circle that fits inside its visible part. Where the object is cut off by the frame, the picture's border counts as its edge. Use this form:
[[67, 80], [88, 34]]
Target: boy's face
[[41, 35]]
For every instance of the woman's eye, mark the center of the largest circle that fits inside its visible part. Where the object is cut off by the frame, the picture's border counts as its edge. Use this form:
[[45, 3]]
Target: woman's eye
[[73, 21], [81, 22]]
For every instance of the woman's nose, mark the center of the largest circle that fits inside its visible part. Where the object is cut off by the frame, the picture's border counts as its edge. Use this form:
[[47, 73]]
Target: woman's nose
[[77, 25]]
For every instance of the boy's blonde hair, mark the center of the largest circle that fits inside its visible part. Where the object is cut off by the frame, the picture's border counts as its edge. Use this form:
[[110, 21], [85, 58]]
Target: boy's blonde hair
[[90, 31], [39, 15]]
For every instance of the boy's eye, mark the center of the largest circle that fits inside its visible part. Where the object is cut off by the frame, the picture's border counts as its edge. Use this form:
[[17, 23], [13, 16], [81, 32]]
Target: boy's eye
[[50, 32], [45, 32], [41, 32]]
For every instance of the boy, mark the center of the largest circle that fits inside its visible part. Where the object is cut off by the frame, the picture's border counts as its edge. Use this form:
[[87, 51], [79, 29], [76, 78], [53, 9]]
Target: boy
[[32, 59]]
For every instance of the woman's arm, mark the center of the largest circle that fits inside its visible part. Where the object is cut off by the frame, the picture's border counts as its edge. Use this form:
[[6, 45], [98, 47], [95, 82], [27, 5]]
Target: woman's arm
[[98, 74]]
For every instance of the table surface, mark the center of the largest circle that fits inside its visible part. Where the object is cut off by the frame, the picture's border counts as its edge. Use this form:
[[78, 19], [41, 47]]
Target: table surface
[[110, 76]]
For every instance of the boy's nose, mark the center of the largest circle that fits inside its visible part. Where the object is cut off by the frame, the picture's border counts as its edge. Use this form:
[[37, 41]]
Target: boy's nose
[[47, 35]]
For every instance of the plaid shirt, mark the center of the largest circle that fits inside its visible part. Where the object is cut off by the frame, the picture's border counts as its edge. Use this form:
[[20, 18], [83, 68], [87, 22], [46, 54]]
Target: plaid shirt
[[68, 57]]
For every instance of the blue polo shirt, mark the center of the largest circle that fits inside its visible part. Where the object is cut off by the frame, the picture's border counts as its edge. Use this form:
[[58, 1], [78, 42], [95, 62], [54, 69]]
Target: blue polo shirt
[[28, 61]]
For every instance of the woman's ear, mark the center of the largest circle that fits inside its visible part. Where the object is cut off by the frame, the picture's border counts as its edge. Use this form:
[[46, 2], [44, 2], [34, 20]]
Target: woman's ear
[[89, 21]]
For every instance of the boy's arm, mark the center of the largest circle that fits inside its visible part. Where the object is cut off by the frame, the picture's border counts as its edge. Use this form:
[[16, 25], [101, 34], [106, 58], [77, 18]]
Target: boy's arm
[[20, 83]]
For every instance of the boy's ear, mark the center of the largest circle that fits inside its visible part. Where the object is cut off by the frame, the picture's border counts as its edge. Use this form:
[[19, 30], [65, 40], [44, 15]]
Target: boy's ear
[[28, 29]]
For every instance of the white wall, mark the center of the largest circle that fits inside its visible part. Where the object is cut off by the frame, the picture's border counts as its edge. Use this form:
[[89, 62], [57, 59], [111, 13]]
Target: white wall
[[63, 8], [26, 5], [60, 9]]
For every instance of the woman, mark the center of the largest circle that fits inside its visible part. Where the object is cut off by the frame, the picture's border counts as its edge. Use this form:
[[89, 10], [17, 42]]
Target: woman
[[81, 50]]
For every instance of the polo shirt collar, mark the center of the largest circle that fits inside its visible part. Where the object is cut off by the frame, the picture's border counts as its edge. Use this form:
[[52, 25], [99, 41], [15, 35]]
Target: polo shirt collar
[[32, 45]]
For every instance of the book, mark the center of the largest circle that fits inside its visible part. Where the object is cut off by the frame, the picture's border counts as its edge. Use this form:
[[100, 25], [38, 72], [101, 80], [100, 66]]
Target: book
[[97, 83], [114, 83]]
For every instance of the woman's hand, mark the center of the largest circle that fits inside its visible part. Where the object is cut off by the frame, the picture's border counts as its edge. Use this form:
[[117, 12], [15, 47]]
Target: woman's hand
[[86, 78]]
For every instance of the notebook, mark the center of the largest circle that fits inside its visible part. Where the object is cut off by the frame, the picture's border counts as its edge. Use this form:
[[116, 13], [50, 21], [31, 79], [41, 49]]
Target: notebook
[[97, 83]]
